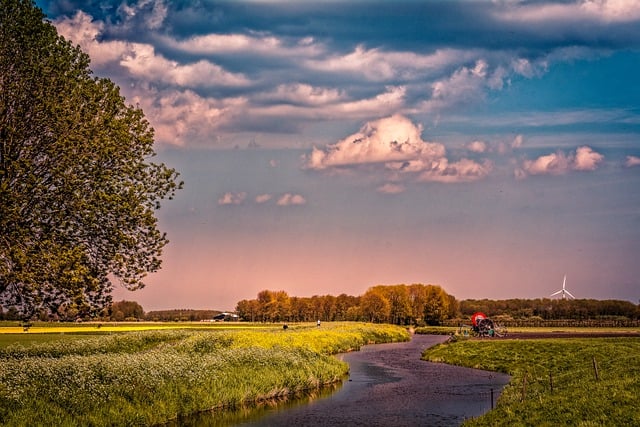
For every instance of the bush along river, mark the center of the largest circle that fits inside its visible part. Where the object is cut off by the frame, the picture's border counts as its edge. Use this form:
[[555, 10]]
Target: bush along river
[[388, 385]]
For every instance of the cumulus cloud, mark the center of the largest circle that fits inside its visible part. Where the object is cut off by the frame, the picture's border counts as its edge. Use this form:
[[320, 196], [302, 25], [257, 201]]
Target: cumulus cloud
[[477, 146], [389, 139], [632, 161], [232, 198], [395, 145], [263, 198], [290, 199], [584, 159]]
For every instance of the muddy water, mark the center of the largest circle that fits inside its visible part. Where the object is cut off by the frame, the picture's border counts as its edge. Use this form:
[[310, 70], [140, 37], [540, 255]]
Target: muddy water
[[388, 386]]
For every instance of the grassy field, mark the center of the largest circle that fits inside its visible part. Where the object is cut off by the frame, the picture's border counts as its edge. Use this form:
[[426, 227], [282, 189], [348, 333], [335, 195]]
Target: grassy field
[[574, 381], [100, 377]]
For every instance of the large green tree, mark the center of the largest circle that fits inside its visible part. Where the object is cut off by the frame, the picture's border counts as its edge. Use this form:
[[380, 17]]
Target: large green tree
[[78, 191]]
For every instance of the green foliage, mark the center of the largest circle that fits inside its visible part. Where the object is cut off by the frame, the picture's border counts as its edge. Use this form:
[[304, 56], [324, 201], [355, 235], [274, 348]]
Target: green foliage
[[552, 309], [554, 380], [77, 191], [151, 377], [126, 310]]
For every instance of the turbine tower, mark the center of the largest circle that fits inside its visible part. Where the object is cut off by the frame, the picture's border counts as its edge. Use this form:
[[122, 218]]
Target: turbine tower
[[563, 292]]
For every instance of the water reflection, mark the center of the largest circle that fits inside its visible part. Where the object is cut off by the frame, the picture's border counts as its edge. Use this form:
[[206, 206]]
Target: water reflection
[[247, 414]]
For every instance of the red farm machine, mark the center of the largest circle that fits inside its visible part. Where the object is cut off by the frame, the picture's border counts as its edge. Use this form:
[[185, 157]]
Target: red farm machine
[[483, 326]]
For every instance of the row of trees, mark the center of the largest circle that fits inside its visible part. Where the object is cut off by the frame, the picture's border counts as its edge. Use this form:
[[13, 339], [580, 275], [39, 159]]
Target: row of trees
[[552, 309], [398, 304]]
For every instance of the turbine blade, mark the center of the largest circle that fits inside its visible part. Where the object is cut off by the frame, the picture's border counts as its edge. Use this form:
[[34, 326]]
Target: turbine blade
[[555, 293], [569, 293]]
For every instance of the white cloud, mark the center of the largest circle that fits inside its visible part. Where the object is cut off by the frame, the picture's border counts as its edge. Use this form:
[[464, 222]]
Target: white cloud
[[632, 161], [394, 144], [181, 117], [517, 141], [303, 94], [477, 146], [390, 139], [390, 188], [380, 65], [581, 10], [464, 85], [584, 159], [464, 170], [259, 44], [263, 198], [290, 199], [155, 17], [552, 164], [232, 198], [141, 60]]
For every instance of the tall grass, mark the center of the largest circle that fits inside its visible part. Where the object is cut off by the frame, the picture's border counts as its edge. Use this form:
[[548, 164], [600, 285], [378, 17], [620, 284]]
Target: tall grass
[[151, 377], [554, 381]]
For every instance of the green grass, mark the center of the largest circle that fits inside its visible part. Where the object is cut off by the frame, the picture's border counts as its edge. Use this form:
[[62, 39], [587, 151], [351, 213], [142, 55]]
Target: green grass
[[151, 377], [554, 380]]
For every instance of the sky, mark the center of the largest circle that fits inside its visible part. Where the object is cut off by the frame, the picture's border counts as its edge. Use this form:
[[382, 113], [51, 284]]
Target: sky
[[490, 147]]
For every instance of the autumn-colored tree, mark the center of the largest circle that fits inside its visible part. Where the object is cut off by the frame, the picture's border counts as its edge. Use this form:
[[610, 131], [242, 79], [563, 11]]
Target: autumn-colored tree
[[248, 310], [374, 307]]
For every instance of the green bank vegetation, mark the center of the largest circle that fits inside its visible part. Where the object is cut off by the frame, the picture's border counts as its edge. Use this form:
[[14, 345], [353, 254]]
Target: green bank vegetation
[[573, 381], [151, 377]]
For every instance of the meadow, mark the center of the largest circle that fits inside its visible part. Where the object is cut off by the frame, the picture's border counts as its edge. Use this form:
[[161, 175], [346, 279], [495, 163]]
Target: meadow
[[559, 381], [85, 375]]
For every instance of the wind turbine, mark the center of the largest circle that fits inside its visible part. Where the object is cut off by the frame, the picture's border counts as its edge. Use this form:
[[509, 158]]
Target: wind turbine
[[564, 292]]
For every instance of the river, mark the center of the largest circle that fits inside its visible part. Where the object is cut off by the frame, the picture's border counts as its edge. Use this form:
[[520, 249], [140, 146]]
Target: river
[[388, 385]]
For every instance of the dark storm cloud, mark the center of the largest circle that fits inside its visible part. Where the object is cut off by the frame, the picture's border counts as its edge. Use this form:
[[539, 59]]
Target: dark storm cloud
[[398, 25]]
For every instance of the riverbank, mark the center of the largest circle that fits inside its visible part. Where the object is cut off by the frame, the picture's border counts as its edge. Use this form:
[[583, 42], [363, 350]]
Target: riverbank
[[557, 381], [388, 385], [151, 377]]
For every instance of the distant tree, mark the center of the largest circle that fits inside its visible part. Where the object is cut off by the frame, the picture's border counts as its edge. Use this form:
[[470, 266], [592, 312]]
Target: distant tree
[[126, 310], [436, 308], [247, 310], [77, 189], [374, 307]]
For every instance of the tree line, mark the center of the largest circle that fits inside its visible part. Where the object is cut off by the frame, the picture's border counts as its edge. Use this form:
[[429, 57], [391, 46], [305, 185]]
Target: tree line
[[552, 309], [397, 304], [415, 304]]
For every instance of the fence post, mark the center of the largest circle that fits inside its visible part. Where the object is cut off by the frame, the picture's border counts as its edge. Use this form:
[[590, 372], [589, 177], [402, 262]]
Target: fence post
[[595, 368], [491, 399]]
